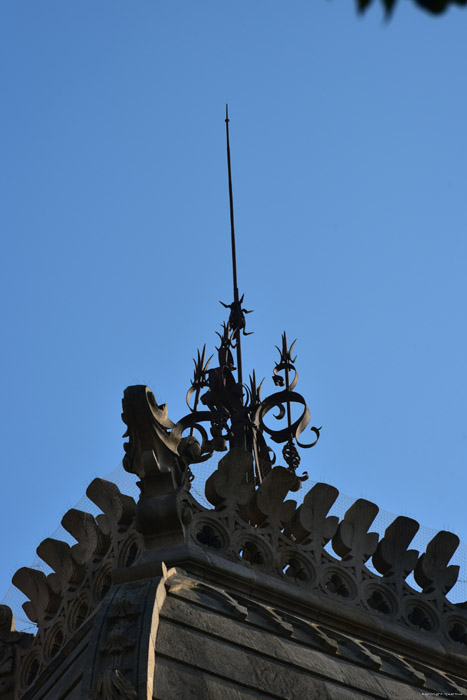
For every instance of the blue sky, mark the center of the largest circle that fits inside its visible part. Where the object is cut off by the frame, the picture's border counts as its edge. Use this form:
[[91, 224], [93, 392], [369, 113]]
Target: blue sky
[[349, 154]]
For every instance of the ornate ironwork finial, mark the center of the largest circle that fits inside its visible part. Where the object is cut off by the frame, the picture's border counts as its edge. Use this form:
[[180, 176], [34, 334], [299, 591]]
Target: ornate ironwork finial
[[236, 412]]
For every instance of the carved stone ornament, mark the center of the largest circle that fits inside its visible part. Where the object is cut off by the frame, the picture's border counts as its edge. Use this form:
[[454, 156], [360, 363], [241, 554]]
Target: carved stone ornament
[[259, 527], [64, 601], [7, 621], [112, 685], [111, 584], [12, 645]]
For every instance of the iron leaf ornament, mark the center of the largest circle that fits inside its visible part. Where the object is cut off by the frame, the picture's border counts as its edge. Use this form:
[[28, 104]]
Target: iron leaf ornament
[[198, 381]]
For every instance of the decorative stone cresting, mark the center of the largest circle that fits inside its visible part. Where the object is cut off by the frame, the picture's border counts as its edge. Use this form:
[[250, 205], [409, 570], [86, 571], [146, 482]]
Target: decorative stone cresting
[[61, 602], [12, 644], [262, 529], [287, 542], [255, 535]]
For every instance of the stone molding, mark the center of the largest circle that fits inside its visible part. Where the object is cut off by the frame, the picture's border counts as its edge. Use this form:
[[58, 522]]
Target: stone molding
[[273, 536], [120, 657], [188, 594]]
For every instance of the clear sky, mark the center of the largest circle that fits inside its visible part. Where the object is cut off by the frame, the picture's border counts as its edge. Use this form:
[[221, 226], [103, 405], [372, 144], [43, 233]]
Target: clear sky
[[349, 157]]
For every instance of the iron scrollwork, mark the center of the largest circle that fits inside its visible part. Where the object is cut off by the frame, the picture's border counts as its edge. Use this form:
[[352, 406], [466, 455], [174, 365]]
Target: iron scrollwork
[[283, 400], [236, 412]]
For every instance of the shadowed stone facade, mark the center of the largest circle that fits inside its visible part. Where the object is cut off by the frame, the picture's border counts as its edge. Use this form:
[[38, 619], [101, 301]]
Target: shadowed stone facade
[[170, 600]]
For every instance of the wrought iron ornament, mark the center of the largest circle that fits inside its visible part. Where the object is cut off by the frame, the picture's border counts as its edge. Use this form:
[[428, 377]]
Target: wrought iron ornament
[[235, 410]]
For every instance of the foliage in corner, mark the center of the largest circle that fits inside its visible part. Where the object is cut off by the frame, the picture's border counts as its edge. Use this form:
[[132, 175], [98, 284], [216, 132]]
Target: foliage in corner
[[433, 6]]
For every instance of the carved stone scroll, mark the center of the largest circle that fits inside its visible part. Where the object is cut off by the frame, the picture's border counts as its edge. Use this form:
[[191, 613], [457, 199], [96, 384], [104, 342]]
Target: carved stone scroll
[[155, 443]]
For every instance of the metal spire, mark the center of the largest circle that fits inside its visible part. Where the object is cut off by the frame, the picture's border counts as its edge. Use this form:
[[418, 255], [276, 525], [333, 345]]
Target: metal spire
[[236, 306], [236, 412]]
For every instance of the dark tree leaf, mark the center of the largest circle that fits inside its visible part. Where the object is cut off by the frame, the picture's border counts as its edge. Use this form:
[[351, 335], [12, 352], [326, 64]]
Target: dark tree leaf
[[363, 4], [389, 6], [433, 6], [436, 7]]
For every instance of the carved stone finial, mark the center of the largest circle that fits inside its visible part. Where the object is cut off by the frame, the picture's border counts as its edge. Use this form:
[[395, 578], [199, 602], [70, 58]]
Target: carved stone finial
[[42, 600], [392, 556], [432, 571], [310, 520], [352, 539], [154, 441], [91, 540], [267, 505], [117, 508], [58, 555]]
